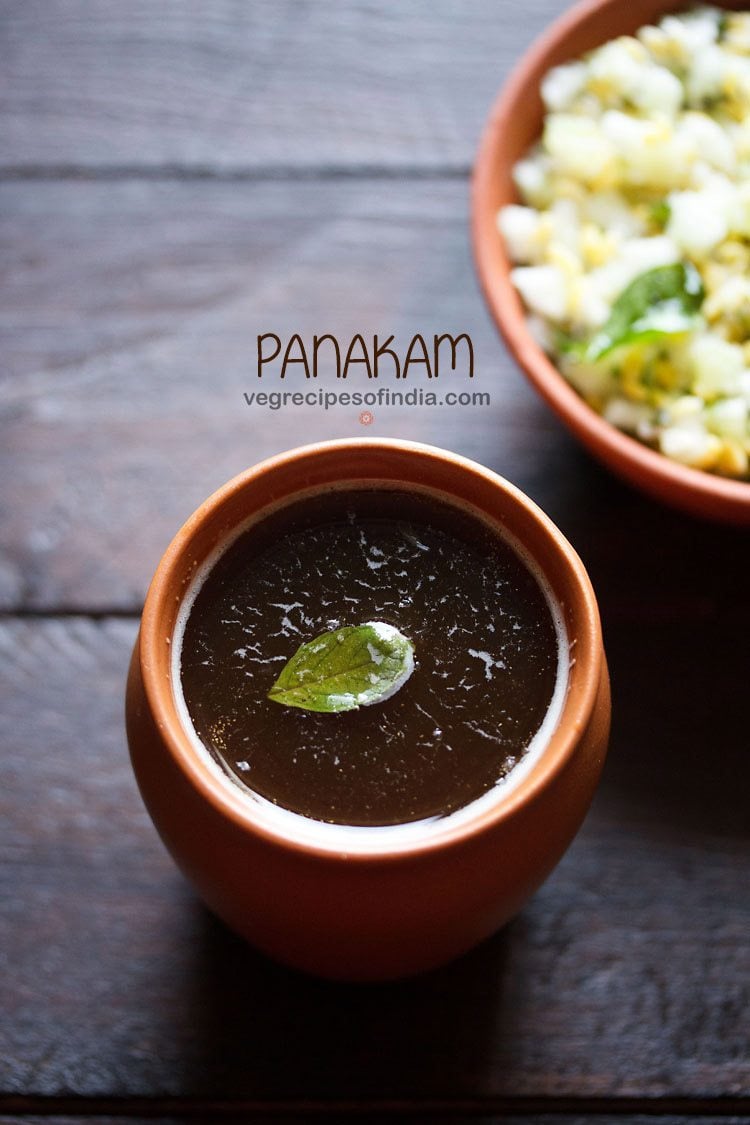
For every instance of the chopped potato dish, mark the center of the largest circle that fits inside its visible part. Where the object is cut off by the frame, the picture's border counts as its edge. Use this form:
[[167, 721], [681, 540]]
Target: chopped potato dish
[[631, 246]]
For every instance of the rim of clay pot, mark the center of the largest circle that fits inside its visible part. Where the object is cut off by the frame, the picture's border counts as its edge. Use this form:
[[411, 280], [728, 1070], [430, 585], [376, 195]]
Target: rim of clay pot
[[513, 125], [307, 466]]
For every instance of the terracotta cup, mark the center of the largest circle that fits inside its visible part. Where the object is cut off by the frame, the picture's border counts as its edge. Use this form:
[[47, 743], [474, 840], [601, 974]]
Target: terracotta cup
[[370, 910], [514, 124]]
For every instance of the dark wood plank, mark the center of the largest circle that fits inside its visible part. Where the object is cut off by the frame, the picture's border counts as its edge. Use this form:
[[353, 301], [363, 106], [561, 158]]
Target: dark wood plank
[[128, 338], [128, 332], [247, 87], [627, 976], [326, 1112]]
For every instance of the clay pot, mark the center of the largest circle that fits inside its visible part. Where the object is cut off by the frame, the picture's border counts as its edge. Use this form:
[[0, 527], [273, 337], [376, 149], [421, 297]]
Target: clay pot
[[371, 911], [514, 124]]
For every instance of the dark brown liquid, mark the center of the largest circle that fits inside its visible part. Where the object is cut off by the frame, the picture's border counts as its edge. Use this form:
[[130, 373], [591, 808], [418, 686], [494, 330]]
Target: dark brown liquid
[[486, 657]]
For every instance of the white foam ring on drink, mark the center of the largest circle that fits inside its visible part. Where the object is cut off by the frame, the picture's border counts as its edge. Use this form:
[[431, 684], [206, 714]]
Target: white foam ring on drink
[[389, 838]]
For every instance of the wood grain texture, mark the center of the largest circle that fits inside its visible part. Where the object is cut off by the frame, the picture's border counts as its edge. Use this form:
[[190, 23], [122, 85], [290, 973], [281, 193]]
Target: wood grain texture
[[128, 338], [241, 168], [237, 87], [386, 1112], [627, 976]]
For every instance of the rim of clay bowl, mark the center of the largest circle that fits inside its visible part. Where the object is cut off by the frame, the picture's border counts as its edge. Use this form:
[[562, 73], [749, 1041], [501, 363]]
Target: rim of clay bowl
[[167, 590], [517, 113]]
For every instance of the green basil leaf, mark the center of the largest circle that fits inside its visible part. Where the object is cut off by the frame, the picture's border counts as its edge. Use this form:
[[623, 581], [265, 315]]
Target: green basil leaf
[[347, 668], [660, 302]]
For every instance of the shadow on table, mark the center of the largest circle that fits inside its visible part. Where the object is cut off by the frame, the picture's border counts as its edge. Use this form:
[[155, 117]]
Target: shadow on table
[[674, 597], [264, 1031]]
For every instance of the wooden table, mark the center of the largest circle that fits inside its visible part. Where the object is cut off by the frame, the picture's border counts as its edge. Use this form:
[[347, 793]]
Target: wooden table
[[177, 178]]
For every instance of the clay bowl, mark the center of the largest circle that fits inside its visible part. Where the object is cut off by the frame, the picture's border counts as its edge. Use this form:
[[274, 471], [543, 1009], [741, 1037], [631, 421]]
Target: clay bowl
[[514, 124], [362, 909]]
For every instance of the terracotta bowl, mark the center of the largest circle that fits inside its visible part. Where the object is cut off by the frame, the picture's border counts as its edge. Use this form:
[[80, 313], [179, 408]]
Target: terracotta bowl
[[515, 123], [366, 911]]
